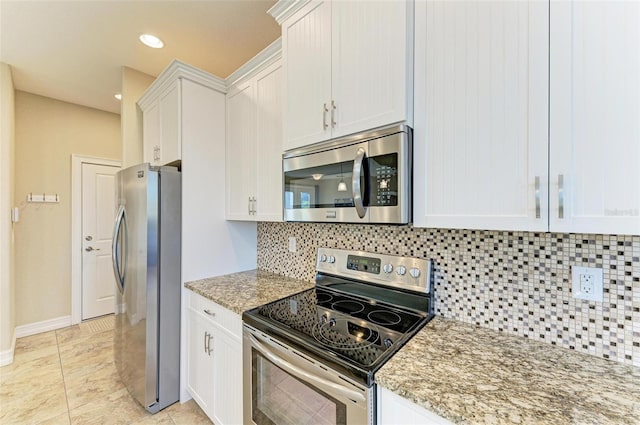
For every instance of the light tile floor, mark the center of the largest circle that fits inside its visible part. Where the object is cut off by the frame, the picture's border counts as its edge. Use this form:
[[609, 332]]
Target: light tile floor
[[68, 377]]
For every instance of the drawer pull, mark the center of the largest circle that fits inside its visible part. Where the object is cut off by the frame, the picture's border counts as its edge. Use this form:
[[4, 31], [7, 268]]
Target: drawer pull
[[209, 312]]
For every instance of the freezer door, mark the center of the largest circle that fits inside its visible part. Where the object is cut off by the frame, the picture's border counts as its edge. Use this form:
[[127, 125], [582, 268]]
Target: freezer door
[[136, 338]]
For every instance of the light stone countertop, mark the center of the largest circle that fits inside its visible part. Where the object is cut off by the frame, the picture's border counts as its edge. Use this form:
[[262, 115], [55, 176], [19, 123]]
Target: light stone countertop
[[472, 375], [246, 290]]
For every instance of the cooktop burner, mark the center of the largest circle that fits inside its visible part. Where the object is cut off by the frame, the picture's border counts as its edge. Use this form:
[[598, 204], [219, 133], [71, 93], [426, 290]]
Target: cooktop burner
[[352, 319]]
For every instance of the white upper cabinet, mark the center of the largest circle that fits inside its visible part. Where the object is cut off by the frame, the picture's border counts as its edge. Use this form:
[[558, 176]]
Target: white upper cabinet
[[371, 64], [254, 140], [306, 53], [480, 140], [161, 127], [595, 117], [347, 67], [163, 122], [268, 152], [241, 154]]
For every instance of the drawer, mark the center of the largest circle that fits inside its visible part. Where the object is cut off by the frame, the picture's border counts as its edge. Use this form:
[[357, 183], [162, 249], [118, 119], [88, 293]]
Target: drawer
[[219, 316]]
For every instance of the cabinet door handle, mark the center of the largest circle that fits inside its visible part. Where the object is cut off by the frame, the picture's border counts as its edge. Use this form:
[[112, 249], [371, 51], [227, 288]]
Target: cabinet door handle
[[206, 341], [255, 205], [333, 110], [209, 348], [249, 206], [537, 186], [209, 312], [560, 196], [324, 116]]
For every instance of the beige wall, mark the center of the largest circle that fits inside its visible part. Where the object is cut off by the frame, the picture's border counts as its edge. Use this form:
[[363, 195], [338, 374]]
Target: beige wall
[[7, 145], [134, 83], [48, 132]]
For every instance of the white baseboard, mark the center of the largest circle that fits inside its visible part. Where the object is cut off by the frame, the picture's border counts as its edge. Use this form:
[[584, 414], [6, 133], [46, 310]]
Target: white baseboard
[[44, 326], [6, 356]]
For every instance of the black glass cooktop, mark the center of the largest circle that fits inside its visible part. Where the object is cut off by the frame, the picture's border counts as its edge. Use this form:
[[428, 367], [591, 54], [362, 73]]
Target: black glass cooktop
[[349, 325]]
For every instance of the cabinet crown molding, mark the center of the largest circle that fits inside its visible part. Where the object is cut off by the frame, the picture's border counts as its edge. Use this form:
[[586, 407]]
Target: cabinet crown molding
[[266, 57], [283, 9], [177, 70]]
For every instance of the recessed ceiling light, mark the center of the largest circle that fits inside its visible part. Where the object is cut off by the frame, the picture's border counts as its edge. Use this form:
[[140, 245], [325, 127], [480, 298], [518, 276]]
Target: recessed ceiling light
[[118, 96], [151, 41]]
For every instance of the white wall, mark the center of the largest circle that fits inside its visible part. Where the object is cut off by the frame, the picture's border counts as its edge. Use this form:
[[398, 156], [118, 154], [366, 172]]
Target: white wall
[[47, 133], [7, 145], [134, 83]]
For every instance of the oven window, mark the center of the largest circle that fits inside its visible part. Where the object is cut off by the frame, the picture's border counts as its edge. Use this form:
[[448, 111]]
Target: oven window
[[279, 398], [326, 186]]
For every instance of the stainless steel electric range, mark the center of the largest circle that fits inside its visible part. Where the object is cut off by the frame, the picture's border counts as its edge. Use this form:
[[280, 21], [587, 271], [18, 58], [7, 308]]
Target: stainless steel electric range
[[312, 357]]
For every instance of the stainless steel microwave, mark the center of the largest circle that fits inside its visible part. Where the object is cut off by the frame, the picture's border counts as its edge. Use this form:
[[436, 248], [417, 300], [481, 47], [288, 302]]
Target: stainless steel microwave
[[364, 178]]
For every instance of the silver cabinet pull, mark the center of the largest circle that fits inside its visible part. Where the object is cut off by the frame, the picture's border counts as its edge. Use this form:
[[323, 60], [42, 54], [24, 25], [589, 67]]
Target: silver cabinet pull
[[206, 341], [537, 186], [209, 312], [324, 116], [209, 348], [560, 196], [249, 206], [333, 110], [255, 205]]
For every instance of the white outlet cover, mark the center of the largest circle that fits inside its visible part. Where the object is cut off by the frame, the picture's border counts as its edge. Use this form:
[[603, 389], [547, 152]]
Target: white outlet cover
[[292, 244], [590, 275]]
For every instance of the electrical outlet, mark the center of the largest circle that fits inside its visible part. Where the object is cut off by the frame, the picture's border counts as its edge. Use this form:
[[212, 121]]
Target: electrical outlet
[[292, 244], [587, 283]]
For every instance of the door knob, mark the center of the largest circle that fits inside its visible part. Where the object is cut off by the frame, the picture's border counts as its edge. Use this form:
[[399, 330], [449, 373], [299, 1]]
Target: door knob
[[90, 248], [88, 238]]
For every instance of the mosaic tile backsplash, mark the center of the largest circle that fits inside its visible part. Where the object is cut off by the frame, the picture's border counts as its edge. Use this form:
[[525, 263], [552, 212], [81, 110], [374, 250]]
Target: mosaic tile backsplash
[[515, 282]]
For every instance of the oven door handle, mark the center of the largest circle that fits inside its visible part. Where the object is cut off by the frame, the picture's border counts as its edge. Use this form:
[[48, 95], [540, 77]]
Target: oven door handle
[[295, 370], [358, 202]]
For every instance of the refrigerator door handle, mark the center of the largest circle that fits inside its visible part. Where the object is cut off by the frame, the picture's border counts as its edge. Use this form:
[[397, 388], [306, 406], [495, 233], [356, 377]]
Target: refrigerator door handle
[[116, 248]]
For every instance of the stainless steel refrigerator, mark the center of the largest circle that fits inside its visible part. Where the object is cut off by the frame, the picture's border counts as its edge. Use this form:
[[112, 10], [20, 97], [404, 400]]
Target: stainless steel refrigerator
[[146, 262]]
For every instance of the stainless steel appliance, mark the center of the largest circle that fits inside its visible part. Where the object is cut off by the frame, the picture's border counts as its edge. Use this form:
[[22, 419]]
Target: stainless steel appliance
[[312, 357], [146, 262], [365, 178]]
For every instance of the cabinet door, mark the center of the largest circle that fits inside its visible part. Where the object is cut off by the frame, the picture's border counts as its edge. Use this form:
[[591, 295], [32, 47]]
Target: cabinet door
[[393, 409], [241, 154], [595, 117], [269, 143], [371, 64], [200, 373], [170, 137], [480, 140], [151, 134], [227, 392], [306, 52]]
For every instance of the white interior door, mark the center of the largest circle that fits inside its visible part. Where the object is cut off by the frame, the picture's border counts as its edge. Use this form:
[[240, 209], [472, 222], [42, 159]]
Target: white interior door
[[98, 213]]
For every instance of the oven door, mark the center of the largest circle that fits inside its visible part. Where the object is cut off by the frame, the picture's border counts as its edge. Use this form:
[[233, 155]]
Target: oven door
[[330, 185], [282, 386]]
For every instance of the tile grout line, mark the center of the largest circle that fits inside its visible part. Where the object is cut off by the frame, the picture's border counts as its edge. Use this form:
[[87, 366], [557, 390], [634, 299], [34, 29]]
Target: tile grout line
[[64, 382]]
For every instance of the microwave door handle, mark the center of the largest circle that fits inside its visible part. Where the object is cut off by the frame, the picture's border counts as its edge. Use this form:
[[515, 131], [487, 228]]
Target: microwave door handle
[[355, 182], [295, 370]]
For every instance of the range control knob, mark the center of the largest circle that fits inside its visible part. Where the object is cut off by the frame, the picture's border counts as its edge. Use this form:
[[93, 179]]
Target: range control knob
[[388, 268], [323, 258], [414, 272], [401, 270], [388, 343], [332, 322], [332, 259]]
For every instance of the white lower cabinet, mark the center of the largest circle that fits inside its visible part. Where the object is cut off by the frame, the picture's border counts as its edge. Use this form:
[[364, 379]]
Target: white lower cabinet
[[214, 366], [393, 409]]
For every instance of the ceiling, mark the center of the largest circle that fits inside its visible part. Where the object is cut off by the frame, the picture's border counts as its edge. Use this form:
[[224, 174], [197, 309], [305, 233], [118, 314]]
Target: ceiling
[[74, 50]]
